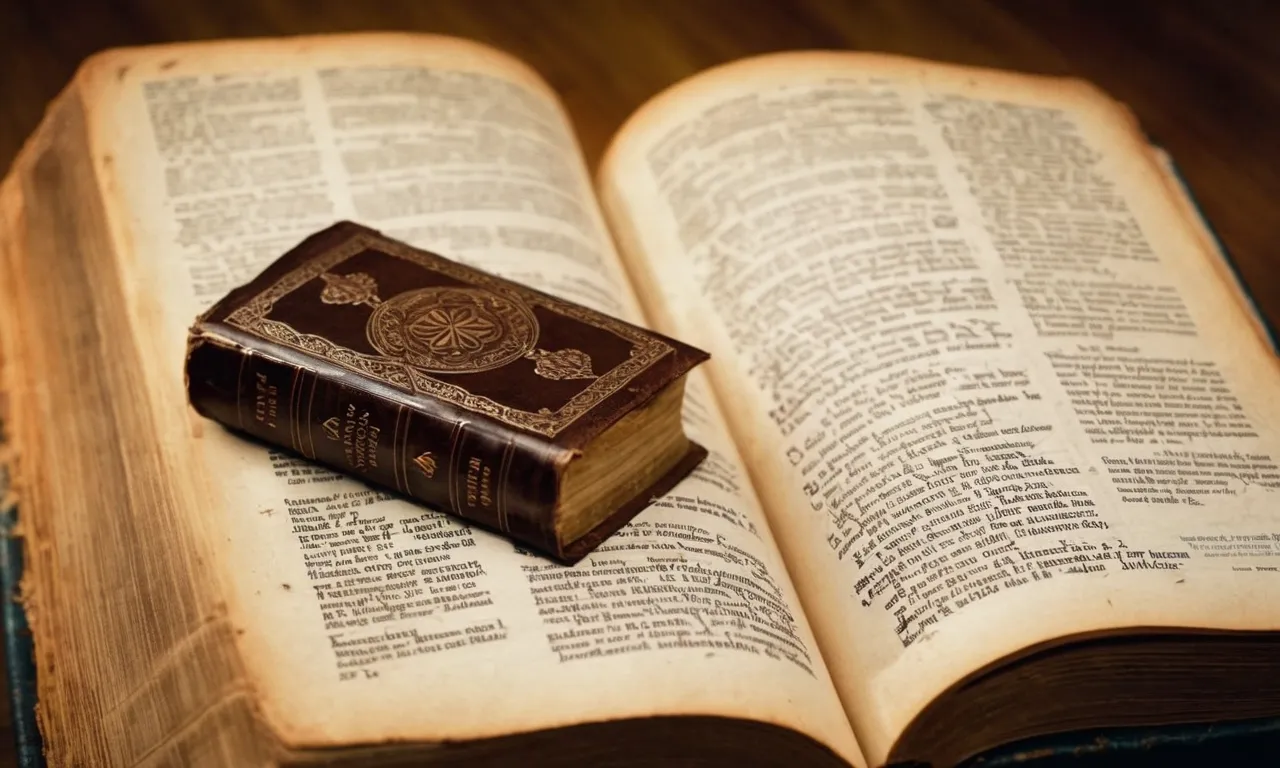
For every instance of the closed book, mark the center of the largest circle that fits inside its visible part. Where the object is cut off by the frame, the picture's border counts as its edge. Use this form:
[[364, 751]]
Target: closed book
[[529, 415]]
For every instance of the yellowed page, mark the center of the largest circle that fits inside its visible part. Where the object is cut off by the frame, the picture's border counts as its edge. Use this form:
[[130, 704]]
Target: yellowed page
[[989, 385], [362, 618]]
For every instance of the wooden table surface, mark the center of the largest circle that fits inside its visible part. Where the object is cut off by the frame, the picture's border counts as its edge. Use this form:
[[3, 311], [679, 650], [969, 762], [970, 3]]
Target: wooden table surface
[[1203, 76]]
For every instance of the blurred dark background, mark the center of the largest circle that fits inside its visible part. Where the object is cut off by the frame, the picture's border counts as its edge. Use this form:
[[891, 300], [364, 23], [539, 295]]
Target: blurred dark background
[[1202, 76]]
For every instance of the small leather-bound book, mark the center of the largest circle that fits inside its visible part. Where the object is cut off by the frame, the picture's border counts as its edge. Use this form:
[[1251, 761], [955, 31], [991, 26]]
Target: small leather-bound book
[[530, 415]]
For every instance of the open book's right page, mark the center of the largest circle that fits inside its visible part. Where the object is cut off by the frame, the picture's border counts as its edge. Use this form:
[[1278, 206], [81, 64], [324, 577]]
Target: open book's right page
[[990, 384]]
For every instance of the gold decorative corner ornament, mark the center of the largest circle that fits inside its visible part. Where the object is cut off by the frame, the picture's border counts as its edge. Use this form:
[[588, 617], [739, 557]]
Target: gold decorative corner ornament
[[562, 364], [353, 288]]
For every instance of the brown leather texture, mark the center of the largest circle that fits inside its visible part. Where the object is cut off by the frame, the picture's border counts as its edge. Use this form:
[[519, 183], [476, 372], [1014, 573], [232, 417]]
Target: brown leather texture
[[445, 383]]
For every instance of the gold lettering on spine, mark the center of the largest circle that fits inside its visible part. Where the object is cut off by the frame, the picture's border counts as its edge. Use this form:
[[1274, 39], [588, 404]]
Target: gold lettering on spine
[[504, 472], [478, 483], [367, 436], [348, 427], [360, 439], [266, 401]]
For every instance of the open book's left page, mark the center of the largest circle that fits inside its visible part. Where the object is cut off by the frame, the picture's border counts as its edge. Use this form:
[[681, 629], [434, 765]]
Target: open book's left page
[[361, 618]]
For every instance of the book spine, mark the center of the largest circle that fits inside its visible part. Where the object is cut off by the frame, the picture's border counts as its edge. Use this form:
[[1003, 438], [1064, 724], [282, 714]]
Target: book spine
[[19, 651], [452, 461]]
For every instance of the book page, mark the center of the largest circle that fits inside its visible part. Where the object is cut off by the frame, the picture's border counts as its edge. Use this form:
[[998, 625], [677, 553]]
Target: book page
[[988, 382], [363, 618]]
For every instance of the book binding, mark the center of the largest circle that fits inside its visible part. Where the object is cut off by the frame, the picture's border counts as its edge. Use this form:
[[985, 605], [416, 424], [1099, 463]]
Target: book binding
[[422, 375]]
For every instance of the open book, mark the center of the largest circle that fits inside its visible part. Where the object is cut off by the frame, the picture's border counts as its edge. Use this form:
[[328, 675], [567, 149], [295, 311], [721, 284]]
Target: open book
[[993, 436]]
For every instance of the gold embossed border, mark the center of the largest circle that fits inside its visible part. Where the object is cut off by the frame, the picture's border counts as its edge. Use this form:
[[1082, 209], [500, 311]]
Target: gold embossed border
[[252, 317]]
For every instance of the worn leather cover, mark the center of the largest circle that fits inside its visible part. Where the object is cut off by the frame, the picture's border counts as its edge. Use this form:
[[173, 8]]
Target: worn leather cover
[[450, 385]]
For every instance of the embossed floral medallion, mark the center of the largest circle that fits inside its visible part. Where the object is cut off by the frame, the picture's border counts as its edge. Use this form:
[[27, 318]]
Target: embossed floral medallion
[[453, 330]]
